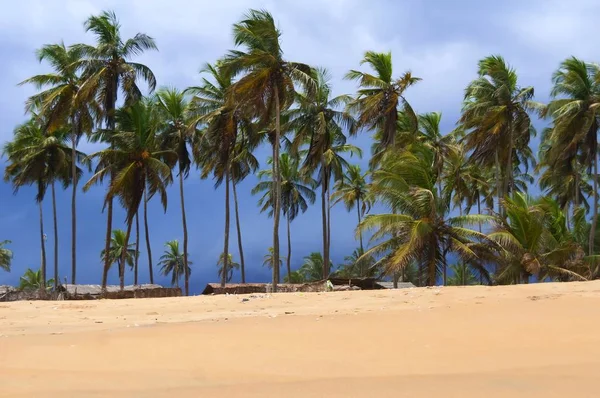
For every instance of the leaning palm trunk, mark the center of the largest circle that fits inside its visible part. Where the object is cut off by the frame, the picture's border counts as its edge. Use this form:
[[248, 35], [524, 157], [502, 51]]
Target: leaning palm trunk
[[185, 237], [137, 248], [328, 226], [362, 249], [146, 229], [56, 280], [277, 184], [74, 207], [324, 220], [226, 236], [289, 254], [595, 216], [239, 232], [43, 264], [498, 182]]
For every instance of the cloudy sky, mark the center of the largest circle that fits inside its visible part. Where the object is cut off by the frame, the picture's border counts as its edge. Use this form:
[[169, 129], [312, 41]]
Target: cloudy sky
[[439, 41]]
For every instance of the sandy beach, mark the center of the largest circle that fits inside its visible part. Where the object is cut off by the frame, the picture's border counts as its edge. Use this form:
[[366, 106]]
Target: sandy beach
[[538, 340]]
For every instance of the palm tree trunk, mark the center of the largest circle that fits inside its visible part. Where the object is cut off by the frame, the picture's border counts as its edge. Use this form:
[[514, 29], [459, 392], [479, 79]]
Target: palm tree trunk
[[185, 237], [277, 182], [43, 246], [137, 248], [479, 210], [107, 242], [324, 218], [362, 249], [124, 255], [239, 232], [289, 254], [595, 216], [226, 235], [56, 280], [74, 206], [146, 230], [327, 264], [498, 182]]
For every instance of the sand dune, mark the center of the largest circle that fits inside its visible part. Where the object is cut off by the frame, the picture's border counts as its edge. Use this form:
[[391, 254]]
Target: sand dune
[[516, 341]]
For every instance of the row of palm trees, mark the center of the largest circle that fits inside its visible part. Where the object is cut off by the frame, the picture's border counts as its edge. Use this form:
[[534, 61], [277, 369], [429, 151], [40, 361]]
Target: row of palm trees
[[254, 95]]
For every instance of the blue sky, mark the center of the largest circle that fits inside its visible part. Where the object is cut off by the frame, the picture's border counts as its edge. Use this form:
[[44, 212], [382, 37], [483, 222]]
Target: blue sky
[[439, 41]]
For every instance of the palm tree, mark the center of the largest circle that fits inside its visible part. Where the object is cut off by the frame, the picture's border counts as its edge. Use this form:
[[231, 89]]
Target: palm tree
[[243, 164], [225, 122], [535, 241], [6, 256], [42, 159], [117, 252], [317, 123], [173, 262], [496, 120], [462, 275], [352, 189], [175, 109], [297, 191], [269, 260], [418, 229], [266, 87], [357, 265], [34, 280], [61, 105], [294, 277], [136, 159], [312, 267], [106, 70], [380, 95], [226, 273], [575, 114]]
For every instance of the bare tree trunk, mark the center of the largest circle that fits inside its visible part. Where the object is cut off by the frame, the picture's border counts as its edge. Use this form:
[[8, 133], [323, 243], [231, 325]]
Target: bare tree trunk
[[124, 255], [226, 236], [137, 248], [277, 199], [498, 182], [362, 249], [56, 278], [109, 215], [324, 218], [146, 230], [74, 206], [289, 254], [595, 216], [185, 237], [43, 242], [509, 168], [239, 232]]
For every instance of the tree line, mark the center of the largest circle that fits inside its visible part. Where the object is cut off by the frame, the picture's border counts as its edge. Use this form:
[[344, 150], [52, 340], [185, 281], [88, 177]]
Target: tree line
[[446, 195]]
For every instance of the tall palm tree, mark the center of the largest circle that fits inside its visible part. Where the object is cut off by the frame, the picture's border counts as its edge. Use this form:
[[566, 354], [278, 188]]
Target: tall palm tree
[[40, 158], [352, 189], [107, 68], [226, 267], [224, 121], [418, 228], [318, 123], [175, 108], [6, 256], [265, 87], [138, 162], [243, 164], [441, 145], [496, 120], [173, 262], [297, 191], [380, 95], [574, 136], [121, 252], [62, 105]]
